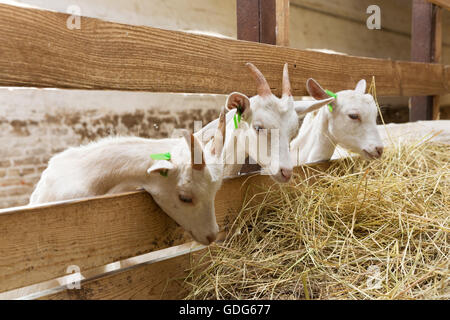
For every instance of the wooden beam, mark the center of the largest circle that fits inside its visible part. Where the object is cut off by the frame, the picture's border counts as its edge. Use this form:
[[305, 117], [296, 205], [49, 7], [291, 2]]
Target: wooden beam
[[247, 13], [441, 3], [160, 280], [257, 20], [164, 279], [437, 55], [39, 243], [39, 51], [157, 259], [282, 27], [268, 21], [426, 46]]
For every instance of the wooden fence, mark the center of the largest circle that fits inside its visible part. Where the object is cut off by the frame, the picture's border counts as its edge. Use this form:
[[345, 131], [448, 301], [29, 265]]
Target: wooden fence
[[124, 245]]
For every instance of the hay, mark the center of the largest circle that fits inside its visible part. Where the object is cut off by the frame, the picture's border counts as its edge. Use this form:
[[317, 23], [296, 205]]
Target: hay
[[363, 230]]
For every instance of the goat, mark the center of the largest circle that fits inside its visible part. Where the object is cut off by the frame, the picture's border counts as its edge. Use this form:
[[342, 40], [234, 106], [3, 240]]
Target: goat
[[184, 185], [350, 122], [267, 120]]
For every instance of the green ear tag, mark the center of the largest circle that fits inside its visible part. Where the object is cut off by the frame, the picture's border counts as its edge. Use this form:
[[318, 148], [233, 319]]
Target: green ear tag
[[161, 156], [331, 94], [238, 119]]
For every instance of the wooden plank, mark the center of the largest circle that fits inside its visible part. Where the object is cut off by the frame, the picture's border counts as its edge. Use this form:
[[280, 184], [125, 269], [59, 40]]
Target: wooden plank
[[282, 13], [421, 108], [73, 280], [447, 74], [437, 39], [437, 55], [39, 243], [247, 13], [256, 20], [104, 55], [426, 46], [267, 21], [160, 280], [441, 3]]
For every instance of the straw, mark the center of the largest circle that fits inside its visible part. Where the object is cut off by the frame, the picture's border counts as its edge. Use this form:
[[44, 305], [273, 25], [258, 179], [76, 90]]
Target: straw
[[359, 230]]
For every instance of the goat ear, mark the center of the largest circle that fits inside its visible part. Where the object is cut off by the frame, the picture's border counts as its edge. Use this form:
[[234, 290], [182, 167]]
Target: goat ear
[[303, 107], [160, 166], [315, 90], [361, 86], [236, 100]]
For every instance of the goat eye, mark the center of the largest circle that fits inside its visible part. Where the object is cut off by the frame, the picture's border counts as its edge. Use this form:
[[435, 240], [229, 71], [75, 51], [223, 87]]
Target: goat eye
[[185, 199], [258, 128], [353, 116]]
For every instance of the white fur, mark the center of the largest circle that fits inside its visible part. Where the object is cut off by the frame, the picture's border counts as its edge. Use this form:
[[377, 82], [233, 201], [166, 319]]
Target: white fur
[[122, 164], [323, 130], [269, 113], [277, 117]]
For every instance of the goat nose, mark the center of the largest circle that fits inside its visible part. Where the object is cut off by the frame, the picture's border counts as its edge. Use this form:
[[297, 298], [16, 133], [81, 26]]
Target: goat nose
[[211, 238], [379, 151], [286, 173]]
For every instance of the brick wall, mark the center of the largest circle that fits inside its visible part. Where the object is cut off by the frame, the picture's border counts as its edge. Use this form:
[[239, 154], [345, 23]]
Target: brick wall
[[35, 124]]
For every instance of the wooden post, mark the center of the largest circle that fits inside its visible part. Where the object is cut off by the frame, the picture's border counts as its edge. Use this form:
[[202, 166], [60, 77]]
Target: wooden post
[[248, 22], [437, 54], [265, 21], [282, 27], [426, 46]]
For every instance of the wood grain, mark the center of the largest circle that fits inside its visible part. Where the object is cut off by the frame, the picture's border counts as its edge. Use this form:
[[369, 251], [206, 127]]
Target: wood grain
[[164, 279], [247, 14], [426, 46], [267, 21], [437, 55], [160, 280], [282, 16], [441, 3], [38, 244], [39, 51]]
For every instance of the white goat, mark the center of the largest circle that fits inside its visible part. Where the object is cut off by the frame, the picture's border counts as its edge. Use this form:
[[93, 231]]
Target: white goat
[[184, 186], [266, 120], [350, 123]]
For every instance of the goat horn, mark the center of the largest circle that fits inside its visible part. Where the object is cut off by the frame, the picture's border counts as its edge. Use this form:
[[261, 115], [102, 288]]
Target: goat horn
[[262, 87], [196, 166], [286, 83]]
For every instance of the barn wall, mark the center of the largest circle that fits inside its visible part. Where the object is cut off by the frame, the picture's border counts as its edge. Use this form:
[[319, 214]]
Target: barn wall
[[340, 25], [35, 124], [216, 16]]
